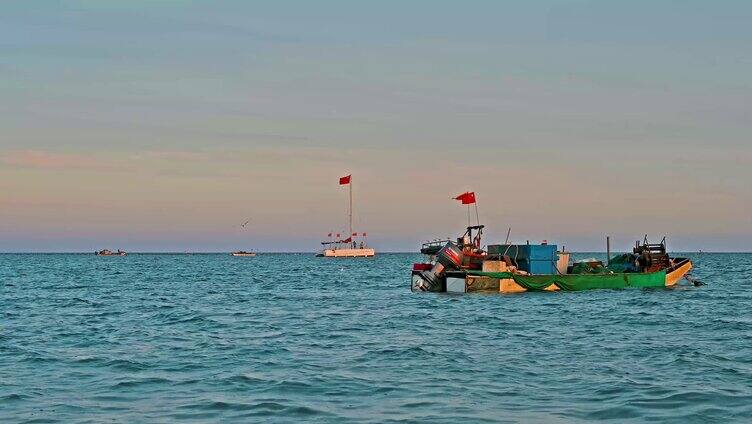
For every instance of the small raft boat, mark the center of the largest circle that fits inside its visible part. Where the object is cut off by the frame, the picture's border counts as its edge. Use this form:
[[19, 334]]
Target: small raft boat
[[108, 252], [349, 247], [462, 266], [243, 253], [347, 252]]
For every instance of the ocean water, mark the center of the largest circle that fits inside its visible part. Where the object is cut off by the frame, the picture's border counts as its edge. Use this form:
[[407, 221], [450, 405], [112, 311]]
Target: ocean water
[[290, 338]]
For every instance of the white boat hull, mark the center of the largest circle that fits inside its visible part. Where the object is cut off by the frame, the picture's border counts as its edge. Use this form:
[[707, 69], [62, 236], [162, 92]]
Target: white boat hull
[[349, 253]]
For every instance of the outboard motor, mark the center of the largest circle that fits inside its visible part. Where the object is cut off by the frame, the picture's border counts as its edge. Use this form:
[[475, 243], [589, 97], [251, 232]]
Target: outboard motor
[[449, 257]]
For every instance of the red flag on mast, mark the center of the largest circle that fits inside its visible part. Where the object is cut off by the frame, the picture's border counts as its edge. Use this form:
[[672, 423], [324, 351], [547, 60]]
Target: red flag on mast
[[345, 180], [467, 198]]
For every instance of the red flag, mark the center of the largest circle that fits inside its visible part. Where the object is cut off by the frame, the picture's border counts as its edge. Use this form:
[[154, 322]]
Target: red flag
[[345, 180], [355, 234], [347, 240], [330, 234], [467, 198], [364, 234], [337, 235]]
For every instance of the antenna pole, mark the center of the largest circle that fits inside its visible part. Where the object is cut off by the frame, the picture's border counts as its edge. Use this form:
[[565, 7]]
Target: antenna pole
[[608, 250]]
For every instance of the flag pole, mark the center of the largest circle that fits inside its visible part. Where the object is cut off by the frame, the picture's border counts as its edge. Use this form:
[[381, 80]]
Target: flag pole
[[350, 205]]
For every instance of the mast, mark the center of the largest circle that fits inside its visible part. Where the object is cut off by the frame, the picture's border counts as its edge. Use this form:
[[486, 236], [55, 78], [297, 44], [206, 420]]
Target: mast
[[350, 207]]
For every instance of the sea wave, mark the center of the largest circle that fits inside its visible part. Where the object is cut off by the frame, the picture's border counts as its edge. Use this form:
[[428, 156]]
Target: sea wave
[[155, 338]]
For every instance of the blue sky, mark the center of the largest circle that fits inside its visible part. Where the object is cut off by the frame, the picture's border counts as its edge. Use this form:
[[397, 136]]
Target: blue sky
[[158, 125]]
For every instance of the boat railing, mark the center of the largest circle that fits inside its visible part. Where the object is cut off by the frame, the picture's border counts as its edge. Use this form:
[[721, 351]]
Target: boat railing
[[432, 247]]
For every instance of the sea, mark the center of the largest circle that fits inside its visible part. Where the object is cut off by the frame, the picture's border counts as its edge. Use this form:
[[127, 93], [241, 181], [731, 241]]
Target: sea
[[295, 338]]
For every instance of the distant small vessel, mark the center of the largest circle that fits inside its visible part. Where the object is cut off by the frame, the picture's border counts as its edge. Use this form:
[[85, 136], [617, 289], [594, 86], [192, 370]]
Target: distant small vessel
[[346, 247], [338, 252], [108, 252], [243, 253]]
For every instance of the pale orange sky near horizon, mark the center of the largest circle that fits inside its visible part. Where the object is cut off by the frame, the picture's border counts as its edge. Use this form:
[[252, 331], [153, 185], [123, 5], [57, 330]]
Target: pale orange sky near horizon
[[151, 197], [164, 127]]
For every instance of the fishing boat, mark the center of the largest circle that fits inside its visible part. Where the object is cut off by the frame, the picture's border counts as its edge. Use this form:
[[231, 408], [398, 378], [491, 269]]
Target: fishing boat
[[461, 266], [355, 245], [243, 253], [108, 252]]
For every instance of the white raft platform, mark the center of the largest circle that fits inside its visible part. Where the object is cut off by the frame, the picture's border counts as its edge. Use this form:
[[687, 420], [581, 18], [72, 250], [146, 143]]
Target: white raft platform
[[348, 253], [249, 254]]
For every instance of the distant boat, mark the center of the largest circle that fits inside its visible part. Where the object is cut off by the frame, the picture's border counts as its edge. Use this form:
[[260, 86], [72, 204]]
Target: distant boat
[[338, 252], [340, 247], [108, 252], [243, 253]]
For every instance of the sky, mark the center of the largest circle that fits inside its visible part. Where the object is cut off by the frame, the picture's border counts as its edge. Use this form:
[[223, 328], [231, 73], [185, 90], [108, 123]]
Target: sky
[[163, 125]]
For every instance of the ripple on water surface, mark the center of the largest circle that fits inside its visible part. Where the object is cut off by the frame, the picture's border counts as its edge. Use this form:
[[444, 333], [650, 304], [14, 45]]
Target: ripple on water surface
[[292, 337]]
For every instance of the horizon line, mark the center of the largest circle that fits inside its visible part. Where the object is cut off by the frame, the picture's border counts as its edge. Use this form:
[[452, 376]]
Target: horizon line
[[144, 252]]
